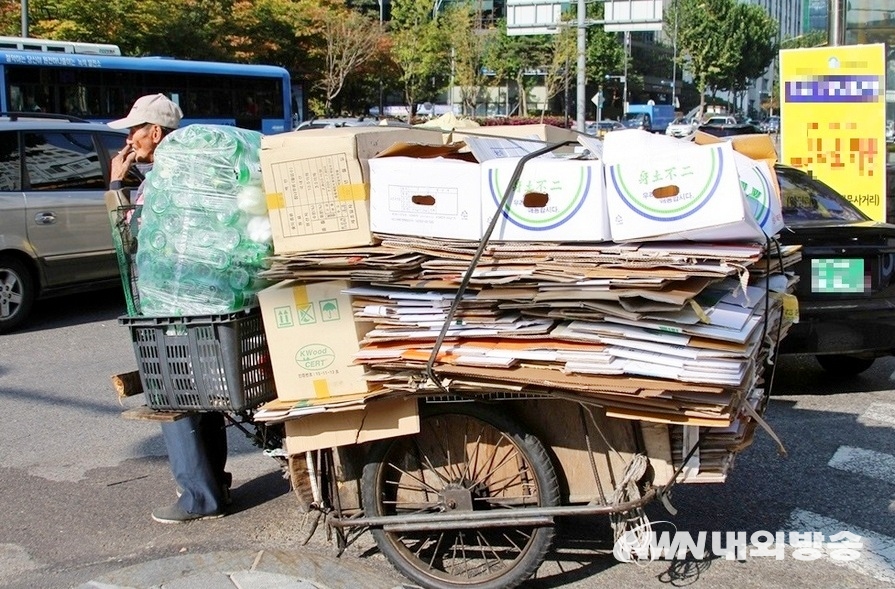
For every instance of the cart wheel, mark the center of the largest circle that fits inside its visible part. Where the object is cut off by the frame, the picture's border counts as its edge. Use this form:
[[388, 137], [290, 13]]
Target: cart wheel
[[467, 457]]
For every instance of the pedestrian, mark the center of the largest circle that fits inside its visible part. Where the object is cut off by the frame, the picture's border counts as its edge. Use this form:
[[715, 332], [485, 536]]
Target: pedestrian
[[196, 442]]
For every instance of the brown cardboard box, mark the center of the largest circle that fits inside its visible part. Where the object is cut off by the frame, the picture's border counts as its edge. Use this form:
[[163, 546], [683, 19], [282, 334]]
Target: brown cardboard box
[[545, 133], [312, 337], [382, 419], [317, 184]]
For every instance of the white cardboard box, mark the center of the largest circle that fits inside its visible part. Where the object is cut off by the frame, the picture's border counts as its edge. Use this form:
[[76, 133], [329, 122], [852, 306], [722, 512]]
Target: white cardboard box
[[312, 338], [690, 194], [440, 192], [426, 197], [554, 200], [317, 183]]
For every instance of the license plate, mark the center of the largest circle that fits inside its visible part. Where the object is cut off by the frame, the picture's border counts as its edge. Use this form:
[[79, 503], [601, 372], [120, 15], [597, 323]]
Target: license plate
[[838, 276]]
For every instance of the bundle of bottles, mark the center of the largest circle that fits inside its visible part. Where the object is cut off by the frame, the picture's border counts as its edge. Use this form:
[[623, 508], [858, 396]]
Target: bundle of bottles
[[204, 233]]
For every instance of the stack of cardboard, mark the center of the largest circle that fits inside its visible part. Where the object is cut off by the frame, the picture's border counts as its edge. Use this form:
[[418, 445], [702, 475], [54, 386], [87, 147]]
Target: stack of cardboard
[[654, 331]]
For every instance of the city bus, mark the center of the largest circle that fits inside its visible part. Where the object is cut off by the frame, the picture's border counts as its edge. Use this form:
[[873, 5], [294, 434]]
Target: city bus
[[89, 83]]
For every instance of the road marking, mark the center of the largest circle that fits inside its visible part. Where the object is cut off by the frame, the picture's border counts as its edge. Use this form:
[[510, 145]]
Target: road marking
[[882, 412], [869, 463], [877, 554]]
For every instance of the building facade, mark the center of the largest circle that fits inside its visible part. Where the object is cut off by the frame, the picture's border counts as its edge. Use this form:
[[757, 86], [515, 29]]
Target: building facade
[[873, 21]]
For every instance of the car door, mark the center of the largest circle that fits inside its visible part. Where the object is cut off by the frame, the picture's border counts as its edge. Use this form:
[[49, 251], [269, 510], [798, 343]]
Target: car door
[[12, 199], [67, 223]]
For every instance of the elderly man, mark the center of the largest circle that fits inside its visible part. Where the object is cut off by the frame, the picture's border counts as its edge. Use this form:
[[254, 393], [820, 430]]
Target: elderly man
[[196, 443]]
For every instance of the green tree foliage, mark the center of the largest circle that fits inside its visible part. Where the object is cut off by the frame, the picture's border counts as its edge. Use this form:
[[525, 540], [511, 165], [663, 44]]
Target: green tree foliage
[[467, 52], [753, 37], [703, 40], [512, 57], [419, 49], [350, 40]]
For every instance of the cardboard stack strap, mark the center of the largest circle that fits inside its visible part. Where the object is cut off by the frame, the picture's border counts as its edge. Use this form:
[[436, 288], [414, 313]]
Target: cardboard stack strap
[[670, 335]]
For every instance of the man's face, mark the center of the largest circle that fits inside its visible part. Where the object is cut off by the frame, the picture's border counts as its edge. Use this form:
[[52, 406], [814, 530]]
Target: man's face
[[144, 139]]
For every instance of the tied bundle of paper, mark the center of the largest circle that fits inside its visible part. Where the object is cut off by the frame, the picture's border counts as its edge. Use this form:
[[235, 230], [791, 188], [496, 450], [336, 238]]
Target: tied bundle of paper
[[205, 234]]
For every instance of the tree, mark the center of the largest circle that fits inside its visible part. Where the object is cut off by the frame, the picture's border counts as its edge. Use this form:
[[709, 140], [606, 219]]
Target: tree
[[563, 53], [419, 48], [752, 36], [350, 39], [512, 57], [467, 51], [703, 42]]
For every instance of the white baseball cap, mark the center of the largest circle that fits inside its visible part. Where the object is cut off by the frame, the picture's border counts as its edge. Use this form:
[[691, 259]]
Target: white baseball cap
[[152, 108]]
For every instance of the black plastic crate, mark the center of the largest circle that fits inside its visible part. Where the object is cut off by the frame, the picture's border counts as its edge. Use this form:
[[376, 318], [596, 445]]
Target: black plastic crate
[[203, 363]]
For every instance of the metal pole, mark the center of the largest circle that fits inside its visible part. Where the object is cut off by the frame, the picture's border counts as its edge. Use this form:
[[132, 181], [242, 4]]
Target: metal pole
[[674, 62], [24, 18], [582, 63], [381, 90], [837, 19], [625, 81]]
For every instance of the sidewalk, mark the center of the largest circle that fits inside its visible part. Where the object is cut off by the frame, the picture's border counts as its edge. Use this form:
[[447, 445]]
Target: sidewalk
[[247, 569]]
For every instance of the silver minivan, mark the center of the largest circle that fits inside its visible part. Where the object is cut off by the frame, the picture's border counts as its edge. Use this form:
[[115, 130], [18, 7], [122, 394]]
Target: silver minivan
[[55, 235]]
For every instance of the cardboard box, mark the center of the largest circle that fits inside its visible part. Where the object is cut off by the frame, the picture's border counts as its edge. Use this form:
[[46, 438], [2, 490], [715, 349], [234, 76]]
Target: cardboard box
[[382, 419], [444, 192], [691, 194], [755, 158], [542, 133], [412, 193], [554, 200], [317, 183], [312, 337]]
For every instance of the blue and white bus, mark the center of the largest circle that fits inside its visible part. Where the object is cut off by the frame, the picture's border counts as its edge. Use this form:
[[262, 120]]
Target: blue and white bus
[[97, 86]]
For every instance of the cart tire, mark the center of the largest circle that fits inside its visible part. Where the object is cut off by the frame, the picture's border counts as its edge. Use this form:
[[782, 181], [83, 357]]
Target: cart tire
[[467, 456]]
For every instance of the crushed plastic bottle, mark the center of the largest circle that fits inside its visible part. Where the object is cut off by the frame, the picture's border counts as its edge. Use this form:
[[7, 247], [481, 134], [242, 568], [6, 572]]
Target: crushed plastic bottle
[[198, 253]]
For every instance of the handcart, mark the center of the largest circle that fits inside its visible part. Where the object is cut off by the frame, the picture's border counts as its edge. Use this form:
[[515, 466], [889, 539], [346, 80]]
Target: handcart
[[469, 500]]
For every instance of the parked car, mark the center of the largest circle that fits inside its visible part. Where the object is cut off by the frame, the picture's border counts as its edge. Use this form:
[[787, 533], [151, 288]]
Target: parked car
[[55, 235], [771, 124], [846, 288], [727, 129], [605, 126], [681, 127]]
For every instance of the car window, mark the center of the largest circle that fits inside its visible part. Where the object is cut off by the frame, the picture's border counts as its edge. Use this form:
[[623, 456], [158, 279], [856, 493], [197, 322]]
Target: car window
[[807, 199], [10, 169], [62, 161]]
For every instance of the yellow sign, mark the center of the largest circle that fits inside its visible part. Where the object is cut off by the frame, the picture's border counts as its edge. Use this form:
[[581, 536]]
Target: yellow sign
[[833, 115]]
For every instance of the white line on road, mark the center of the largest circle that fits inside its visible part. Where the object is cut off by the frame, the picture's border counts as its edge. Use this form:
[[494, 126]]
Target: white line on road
[[881, 412], [869, 463], [877, 554]]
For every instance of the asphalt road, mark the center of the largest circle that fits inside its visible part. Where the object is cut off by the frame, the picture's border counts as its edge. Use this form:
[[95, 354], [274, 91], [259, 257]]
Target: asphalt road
[[77, 482]]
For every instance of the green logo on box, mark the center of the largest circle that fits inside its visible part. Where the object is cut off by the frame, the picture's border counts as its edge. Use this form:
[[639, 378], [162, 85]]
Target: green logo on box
[[315, 357], [306, 314], [329, 310], [283, 316]]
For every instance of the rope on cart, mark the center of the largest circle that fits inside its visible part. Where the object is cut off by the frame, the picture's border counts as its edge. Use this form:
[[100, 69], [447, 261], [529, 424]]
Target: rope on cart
[[508, 193]]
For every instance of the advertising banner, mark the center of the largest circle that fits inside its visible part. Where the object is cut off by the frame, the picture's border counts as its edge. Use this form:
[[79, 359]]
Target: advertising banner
[[832, 116]]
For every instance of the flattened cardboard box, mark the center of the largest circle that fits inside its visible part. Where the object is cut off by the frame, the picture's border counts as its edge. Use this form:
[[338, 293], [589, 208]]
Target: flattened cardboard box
[[387, 418], [317, 183], [312, 338]]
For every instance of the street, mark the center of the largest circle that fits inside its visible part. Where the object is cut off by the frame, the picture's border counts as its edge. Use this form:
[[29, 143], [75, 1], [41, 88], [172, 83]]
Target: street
[[77, 482]]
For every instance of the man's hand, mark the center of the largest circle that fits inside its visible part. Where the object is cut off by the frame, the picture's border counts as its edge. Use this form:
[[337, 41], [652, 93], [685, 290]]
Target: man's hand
[[122, 162]]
